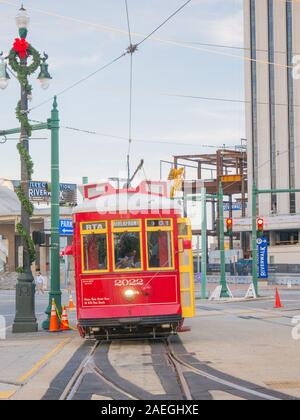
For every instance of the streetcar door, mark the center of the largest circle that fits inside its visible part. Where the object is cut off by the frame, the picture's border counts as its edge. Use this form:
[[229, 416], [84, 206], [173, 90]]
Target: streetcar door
[[186, 263]]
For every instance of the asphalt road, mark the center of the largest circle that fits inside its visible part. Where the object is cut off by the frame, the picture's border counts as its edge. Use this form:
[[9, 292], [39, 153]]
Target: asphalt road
[[242, 350], [238, 350]]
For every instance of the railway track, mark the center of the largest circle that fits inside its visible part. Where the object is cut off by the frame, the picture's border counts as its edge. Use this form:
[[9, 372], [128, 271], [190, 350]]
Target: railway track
[[88, 366], [181, 364], [180, 368]]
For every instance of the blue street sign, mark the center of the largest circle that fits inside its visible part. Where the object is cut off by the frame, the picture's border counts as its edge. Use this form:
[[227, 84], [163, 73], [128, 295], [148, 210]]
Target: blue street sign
[[66, 227], [262, 254]]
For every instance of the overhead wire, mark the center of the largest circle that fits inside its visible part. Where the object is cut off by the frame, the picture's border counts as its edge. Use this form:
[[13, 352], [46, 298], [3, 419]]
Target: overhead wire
[[72, 86], [242, 101], [137, 140], [166, 41], [164, 22], [131, 51]]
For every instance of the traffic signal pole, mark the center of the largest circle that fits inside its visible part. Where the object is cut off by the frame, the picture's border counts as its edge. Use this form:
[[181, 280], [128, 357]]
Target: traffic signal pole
[[255, 193], [55, 292], [204, 244], [223, 281], [254, 240]]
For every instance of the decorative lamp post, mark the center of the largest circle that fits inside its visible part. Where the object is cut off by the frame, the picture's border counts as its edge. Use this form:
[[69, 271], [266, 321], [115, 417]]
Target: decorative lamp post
[[24, 60], [44, 76]]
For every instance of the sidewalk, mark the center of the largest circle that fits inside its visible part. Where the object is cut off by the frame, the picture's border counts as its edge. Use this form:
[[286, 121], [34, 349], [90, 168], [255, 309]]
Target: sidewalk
[[240, 290], [29, 362]]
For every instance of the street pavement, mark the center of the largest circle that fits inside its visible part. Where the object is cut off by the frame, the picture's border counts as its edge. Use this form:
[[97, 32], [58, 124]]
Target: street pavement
[[244, 350]]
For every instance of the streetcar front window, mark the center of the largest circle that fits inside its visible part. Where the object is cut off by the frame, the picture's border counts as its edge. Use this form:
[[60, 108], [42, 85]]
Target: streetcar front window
[[95, 252], [160, 249], [127, 251]]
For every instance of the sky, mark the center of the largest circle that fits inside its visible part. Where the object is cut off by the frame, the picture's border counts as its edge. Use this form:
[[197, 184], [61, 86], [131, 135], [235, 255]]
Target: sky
[[81, 37]]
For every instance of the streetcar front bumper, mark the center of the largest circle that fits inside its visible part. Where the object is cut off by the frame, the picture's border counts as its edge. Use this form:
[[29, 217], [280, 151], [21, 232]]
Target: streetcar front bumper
[[137, 327]]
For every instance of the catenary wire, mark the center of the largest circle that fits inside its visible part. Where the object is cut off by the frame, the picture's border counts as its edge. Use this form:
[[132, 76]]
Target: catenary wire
[[137, 140], [131, 50], [80, 81], [165, 41], [128, 22], [165, 22]]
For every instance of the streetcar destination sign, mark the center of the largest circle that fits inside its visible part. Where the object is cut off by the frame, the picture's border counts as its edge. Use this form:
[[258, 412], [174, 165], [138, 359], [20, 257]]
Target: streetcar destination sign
[[126, 224], [91, 227]]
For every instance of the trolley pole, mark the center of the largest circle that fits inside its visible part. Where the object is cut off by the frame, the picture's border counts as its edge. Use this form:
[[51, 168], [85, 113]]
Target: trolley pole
[[55, 292], [204, 244], [223, 282]]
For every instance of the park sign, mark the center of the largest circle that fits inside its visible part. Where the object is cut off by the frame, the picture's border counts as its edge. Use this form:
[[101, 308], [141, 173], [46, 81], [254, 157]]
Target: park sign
[[66, 227], [40, 192]]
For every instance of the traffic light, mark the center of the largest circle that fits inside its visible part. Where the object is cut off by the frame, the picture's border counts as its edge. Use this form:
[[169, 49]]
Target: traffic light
[[260, 228], [39, 238], [229, 224]]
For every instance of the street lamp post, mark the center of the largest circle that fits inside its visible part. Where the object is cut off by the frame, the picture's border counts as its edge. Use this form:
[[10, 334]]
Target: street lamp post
[[24, 61]]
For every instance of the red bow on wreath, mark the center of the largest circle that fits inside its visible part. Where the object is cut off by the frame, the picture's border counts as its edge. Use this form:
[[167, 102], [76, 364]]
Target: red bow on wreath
[[21, 47]]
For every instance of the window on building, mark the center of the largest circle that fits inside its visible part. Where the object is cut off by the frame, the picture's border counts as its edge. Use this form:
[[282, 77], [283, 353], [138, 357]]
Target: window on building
[[287, 237]]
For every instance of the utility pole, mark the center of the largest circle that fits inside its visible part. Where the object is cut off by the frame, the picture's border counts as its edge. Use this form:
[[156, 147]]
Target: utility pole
[[255, 193], [25, 319], [204, 244], [254, 239], [55, 292], [223, 281]]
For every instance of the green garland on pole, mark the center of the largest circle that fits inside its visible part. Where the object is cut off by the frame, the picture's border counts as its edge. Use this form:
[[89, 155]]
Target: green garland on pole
[[30, 244], [28, 206], [27, 158], [23, 118], [23, 71]]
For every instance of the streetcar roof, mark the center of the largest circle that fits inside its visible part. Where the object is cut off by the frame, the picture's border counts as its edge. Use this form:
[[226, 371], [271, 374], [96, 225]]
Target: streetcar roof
[[127, 202]]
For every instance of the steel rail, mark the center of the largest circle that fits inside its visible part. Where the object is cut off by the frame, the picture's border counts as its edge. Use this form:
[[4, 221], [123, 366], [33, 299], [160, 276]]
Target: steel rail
[[220, 381]]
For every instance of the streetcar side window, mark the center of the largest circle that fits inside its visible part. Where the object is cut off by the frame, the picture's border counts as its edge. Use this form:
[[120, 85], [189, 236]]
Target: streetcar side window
[[127, 236], [160, 244], [94, 245]]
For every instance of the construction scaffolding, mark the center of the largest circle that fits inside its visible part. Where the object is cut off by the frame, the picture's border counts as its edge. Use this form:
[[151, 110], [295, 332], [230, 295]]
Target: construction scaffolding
[[226, 166]]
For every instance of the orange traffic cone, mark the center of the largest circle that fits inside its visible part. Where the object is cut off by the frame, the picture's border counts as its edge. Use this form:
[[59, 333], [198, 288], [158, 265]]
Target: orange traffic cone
[[278, 304], [71, 303], [64, 326], [54, 323]]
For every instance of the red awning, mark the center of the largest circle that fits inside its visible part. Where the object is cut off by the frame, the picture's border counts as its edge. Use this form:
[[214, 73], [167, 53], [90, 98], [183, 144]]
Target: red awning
[[67, 251]]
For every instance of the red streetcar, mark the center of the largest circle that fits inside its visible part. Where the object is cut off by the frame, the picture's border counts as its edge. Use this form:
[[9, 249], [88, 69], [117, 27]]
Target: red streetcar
[[133, 262]]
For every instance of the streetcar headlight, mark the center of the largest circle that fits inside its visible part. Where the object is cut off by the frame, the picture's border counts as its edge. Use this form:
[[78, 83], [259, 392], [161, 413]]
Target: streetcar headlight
[[130, 294]]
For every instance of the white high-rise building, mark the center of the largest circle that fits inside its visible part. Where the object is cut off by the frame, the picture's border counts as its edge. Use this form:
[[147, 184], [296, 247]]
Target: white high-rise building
[[272, 42]]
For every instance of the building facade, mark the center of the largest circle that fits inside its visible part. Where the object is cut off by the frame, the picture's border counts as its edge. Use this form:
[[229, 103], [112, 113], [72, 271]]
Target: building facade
[[272, 44], [10, 241]]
